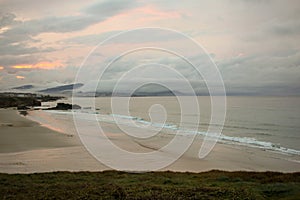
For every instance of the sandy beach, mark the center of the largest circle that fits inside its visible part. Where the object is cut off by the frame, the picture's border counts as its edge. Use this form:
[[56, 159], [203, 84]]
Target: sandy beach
[[28, 147]]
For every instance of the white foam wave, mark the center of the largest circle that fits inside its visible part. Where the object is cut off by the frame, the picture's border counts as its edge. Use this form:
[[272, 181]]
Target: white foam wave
[[141, 123]]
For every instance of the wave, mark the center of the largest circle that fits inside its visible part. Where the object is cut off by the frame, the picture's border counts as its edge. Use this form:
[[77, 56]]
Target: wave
[[172, 128]]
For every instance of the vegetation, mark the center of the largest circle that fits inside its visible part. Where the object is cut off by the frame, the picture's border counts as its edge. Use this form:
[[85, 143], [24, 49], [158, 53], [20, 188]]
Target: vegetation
[[6, 102], [24, 100], [152, 185]]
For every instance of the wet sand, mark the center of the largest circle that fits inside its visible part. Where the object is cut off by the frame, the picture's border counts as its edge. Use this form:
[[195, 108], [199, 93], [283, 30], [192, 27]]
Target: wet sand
[[20, 134], [28, 147]]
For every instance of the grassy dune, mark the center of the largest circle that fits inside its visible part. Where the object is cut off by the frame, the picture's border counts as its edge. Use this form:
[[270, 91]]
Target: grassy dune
[[153, 185]]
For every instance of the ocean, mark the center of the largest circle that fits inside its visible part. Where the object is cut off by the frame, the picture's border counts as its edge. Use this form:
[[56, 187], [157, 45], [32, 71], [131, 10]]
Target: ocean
[[269, 123]]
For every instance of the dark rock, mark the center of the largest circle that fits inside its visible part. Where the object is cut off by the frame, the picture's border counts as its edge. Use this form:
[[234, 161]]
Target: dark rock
[[23, 112], [64, 106], [22, 107]]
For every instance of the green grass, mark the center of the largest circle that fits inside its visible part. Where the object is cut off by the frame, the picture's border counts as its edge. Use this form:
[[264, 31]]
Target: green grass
[[152, 185]]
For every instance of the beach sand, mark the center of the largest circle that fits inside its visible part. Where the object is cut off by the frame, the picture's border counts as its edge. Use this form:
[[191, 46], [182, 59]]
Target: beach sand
[[28, 147]]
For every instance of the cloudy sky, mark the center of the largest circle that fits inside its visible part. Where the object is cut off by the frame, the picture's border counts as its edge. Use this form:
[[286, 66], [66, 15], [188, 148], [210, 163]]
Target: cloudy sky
[[255, 43]]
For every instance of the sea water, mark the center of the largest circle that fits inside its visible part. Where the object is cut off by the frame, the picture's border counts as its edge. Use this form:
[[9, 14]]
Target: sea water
[[271, 123]]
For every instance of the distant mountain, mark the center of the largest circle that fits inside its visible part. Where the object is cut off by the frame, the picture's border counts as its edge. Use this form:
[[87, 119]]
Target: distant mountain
[[158, 93], [23, 87], [62, 89], [153, 89], [126, 94]]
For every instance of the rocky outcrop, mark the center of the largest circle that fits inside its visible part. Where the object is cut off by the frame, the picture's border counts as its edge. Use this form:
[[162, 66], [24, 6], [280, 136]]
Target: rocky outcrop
[[23, 102], [65, 106]]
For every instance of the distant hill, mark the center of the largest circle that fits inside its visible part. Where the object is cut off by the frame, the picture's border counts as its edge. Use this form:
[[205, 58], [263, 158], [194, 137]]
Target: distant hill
[[159, 93], [126, 94], [63, 88], [23, 87]]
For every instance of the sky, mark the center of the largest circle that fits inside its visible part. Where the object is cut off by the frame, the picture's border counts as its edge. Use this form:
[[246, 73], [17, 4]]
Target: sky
[[255, 44]]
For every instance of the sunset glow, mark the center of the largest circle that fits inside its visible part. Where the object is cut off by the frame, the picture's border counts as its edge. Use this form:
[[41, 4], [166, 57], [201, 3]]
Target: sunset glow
[[20, 77], [40, 65], [48, 47], [22, 66], [152, 11]]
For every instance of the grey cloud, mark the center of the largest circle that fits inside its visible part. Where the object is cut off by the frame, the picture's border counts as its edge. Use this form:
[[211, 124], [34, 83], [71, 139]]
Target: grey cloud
[[17, 50], [262, 88], [287, 28], [286, 52], [17, 44], [146, 35], [7, 19], [8, 60], [253, 1], [149, 35], [39, 77], [265, 31], [262, 75], [53, 25], [92, 15], [15, 40], [109, 8], [92, 39], [235, 61]]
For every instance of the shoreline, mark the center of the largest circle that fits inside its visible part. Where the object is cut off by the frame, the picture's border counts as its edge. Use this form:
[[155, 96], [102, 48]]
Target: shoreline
[[66, 153]]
